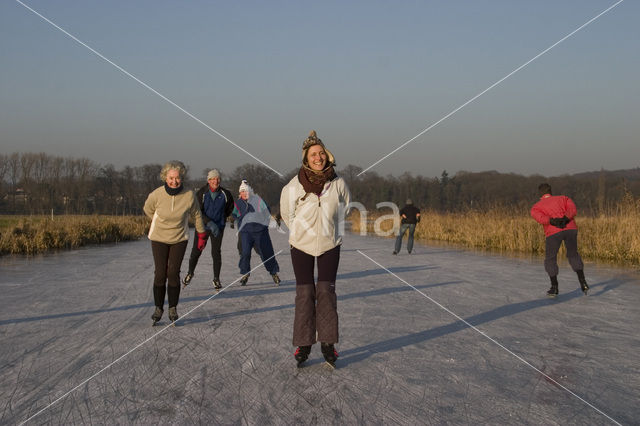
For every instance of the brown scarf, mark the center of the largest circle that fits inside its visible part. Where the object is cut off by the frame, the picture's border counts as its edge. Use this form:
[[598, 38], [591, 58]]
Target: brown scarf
[[313, 181]]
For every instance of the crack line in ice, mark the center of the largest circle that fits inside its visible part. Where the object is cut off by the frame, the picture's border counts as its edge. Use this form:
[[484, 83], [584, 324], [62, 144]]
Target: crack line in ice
[[143, 342], [482, 333]]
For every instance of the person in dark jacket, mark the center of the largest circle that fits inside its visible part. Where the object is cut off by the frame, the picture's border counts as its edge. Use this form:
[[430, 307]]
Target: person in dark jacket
[[253, 217], [556, 215], [410, 217], [216, 204]]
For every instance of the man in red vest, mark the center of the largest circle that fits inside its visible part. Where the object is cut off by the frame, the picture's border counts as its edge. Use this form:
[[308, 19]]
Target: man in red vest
[[556, 215]]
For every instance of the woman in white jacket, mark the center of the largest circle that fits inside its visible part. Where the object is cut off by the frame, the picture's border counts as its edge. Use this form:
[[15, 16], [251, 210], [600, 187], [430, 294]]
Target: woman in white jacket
[[313, 205]]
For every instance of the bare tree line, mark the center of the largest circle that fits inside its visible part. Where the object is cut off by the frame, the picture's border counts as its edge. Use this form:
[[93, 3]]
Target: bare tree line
[[40, 183]]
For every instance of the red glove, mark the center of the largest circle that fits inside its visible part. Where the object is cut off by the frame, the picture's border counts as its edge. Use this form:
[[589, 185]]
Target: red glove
[[202, 240]]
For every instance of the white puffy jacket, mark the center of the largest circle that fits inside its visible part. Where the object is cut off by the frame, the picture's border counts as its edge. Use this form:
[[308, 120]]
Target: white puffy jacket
[[316, 224]]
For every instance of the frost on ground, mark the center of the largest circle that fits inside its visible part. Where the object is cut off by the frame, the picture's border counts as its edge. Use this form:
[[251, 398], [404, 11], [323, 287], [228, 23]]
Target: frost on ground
[[78, 346]]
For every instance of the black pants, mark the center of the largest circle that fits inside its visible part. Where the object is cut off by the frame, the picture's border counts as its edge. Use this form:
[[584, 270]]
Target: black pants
[[167, 259], [316, 303], [552, 245], [216, 253]]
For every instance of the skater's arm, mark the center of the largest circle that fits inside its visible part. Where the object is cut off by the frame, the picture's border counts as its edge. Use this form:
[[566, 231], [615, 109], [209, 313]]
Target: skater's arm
[[150, 205], [196, 215], [540, 215], [570, 208]]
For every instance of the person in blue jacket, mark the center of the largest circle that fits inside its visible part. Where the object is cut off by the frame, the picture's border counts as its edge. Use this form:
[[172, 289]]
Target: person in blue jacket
[[216, 204], [253, 217]]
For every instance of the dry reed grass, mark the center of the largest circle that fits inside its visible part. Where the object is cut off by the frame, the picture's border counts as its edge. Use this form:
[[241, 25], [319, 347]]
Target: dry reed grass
[[611, 238], [38, 234]]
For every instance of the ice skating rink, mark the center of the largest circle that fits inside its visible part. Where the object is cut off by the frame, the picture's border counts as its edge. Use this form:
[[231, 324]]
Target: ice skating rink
[[440, 336]]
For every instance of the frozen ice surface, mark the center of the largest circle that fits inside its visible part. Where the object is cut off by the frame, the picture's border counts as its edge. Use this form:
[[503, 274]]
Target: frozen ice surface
[[78, 346]]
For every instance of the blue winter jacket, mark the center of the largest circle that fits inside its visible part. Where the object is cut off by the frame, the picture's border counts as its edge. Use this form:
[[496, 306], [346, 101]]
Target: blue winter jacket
[[213, 206]]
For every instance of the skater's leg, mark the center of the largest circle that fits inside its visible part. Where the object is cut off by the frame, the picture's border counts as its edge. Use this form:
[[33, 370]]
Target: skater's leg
[[403, 229], [158, 295], [176, 254], [239, 245], [266, 252], [195, 253], [326, 309], [552, 245], [245, 258], [571, 244], [216, 253], [304, 322], [412, 229], [160, 260], [173, 296], [174, 260]]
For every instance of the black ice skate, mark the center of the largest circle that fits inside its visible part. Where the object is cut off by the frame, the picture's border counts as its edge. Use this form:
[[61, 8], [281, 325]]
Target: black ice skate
[[157, 314], [583, 282], [187, 279], [173, 314], [216, 283], [301, 354], [585, 288], [276, 279], [553, 291], [329, 353], [244, 279]]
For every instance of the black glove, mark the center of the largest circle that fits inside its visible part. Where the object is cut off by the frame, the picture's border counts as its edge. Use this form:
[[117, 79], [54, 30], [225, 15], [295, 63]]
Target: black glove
[[232, 224], [559, 222]]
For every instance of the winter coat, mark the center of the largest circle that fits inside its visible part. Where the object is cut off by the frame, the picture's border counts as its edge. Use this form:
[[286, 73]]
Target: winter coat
[[554, 206], [316, 223], [216, 206], [411, 212], [253, 215], [170, 215]]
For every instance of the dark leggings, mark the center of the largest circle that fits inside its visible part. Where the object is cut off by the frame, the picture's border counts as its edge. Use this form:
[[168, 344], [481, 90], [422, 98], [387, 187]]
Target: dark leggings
[[316, 312], [216, 253], [167, 259], [552, 245]]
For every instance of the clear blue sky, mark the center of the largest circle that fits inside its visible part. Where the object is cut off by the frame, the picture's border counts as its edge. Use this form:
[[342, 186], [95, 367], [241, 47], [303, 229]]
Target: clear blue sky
[[367, 76]]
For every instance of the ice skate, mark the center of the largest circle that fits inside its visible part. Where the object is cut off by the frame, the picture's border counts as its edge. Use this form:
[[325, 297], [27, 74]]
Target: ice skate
[[216, 284], [583, 282], [302, 354], [187, 279], [585, 288], [329, 353], [553, 291], [157, 314], [244, 279], [276, 279], [173, 315]]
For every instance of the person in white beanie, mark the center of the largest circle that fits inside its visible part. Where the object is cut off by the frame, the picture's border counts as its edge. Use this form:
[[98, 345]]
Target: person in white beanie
[[216, 204], [253, 217]]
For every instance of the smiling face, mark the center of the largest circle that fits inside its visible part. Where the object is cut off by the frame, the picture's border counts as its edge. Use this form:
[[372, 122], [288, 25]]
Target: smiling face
[[214, 183], [173, 178], [244, 195], [316, 157]]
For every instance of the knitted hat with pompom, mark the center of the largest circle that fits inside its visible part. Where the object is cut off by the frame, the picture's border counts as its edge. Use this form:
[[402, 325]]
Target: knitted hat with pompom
[[312, 140]]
